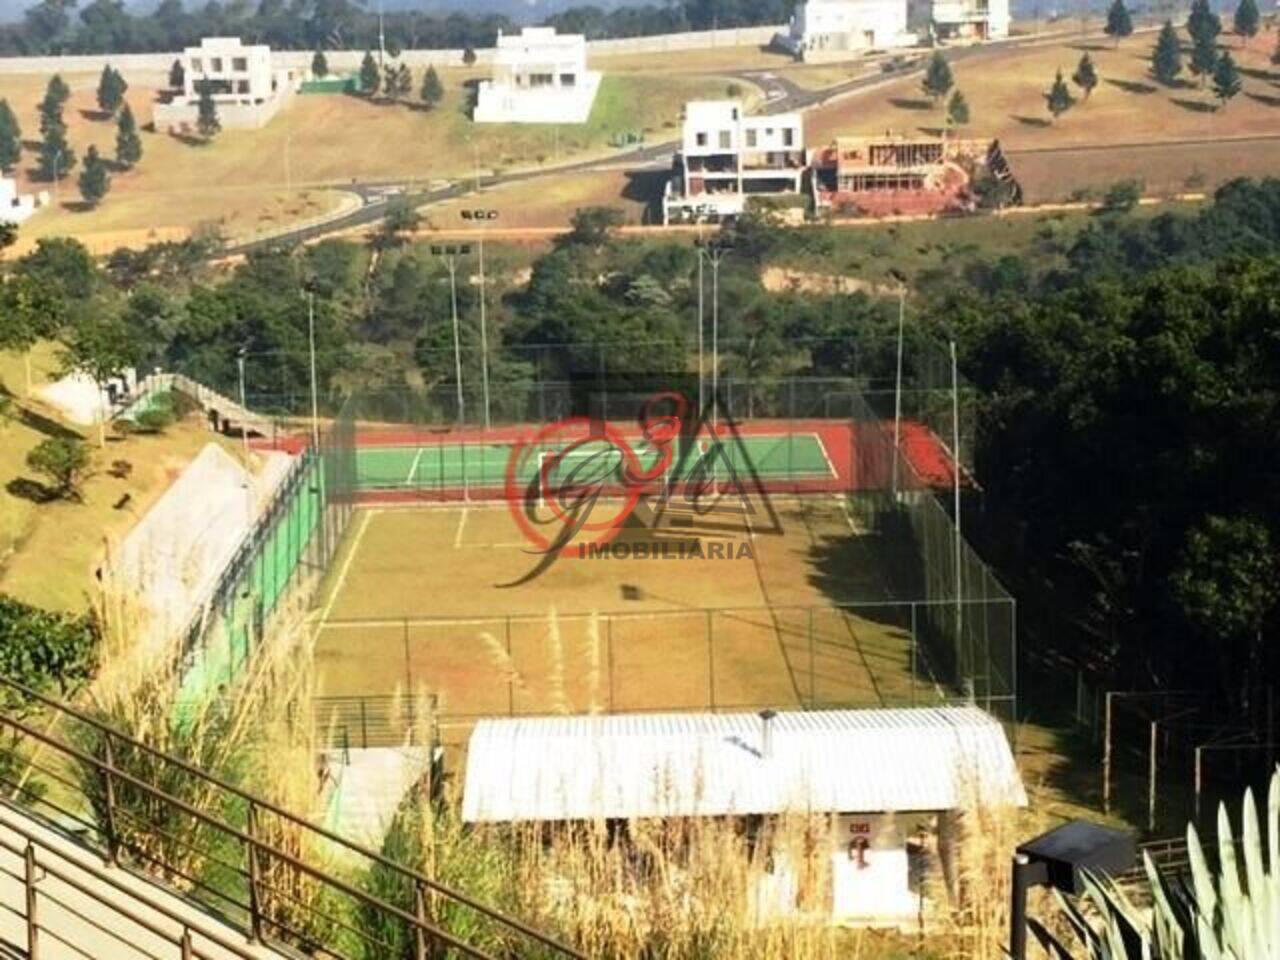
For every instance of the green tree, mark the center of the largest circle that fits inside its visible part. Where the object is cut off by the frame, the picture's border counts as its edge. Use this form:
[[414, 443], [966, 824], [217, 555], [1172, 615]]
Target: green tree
[[1166, 57], [45, 651], [1119, 23], [957, 110], [111, 90], [55, 158], [1247, 20], [389, 81], [1202, 23], [319, 65], [1275, 52], [177, 76], [10, 137], [1085, 77], [432, 89], [101, 345], [128, 142], [8, 234], [937, 82], [593, 226], [64, 462], [401, 220], [1059, 99], [56, 95], [1204, 58], [94, 179], [469, 57], [1226, 78], [404, 81], [207, 121], [369, 75]]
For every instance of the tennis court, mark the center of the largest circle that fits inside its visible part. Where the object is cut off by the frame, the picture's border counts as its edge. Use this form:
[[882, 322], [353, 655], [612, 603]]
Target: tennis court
[[445, 466]]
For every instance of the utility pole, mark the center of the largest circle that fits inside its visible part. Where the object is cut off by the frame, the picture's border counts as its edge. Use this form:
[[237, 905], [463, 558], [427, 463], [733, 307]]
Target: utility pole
[[484, 216]]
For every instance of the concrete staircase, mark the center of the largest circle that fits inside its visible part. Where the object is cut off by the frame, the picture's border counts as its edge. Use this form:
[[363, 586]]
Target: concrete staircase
[[59, 902], [225, 415]]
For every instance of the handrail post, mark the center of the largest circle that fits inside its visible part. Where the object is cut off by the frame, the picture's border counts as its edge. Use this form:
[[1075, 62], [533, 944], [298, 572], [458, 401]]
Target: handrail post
[[255, 876], [29, 881], [188, 951], [419, 911], [109, 796]]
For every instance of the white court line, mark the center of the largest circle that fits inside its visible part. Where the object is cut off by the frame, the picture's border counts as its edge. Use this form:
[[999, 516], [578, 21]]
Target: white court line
[[413, 467], [831, 467], [346, 566], [462, 523]]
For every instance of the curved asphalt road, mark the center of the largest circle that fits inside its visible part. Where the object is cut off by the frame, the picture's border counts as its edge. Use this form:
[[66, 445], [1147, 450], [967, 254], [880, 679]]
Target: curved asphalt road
[[781, 96]]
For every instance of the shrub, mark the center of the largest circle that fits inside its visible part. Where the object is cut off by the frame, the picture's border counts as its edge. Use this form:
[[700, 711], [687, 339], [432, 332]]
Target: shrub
[[64, 461], [154, 419]]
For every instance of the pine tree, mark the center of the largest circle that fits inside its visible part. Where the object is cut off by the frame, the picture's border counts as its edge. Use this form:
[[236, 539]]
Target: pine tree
[[10, 137], [56, 95], [177, 76], [128, 143], [319, 65], [1247, 19], [432, 89], [1166, 58], [468, 57], [389, 81], [1275, 54], [1085, 77], [111, 90], [1202, 23], [937, 80], [1204, 57], [404, 81], [957, 110], [207, 121], [369, 75], [1226, 78], [1119, 23], [1059, 99], [55, 158], [94, 180]]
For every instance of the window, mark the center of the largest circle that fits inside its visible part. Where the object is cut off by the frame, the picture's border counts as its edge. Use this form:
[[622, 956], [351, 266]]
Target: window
[[197, 65], [735, 113], [700, 139], [568, 79], [242, 86], [788, 137], [726, 140], [216, 65], [751, 138], [240, 64]]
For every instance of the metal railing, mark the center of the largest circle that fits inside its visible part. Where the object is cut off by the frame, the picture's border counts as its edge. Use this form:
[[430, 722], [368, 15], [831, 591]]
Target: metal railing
[[41, 862], [241, 870]]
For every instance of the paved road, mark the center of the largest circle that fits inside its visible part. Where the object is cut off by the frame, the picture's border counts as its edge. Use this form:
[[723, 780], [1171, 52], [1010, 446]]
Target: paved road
[[781, 95]]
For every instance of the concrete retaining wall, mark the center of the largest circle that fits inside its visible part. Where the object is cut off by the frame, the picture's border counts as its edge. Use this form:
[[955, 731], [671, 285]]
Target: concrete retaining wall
[[343, 61]]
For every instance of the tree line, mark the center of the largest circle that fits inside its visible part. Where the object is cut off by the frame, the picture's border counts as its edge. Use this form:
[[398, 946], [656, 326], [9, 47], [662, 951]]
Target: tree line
[[106, 26]]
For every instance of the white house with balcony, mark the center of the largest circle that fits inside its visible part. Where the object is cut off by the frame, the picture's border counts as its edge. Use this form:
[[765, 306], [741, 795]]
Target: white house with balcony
[[974, 20], [835, 29], [539, 76], [16, 207], [247, 87], [726, 157]]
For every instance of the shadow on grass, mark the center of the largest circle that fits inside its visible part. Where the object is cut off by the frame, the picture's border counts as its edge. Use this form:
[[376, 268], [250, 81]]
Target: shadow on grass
[[1196, 106], [1132, 86], [1038, 122], [95, 115], [1089, 47], [1264, 99], [1253, 73], [911, 103], [645, 186], [26, 489]]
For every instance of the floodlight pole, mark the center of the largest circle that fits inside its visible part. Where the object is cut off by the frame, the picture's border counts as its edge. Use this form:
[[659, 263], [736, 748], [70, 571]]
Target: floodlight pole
[[244, 409], [955, 486], [701, 365], [315, 397], [897, 391], [457, 342]]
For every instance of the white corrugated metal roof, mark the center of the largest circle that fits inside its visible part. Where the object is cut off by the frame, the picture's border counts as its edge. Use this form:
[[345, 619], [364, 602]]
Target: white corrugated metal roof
[[705, 764]]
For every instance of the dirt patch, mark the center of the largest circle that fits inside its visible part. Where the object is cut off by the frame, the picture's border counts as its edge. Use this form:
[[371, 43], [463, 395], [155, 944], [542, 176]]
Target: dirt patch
[[782, 279]]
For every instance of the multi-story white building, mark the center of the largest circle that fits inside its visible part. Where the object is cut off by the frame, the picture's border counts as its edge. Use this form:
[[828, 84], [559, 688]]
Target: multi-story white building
[[539, 76], [14, 207], [248, 90], [961, 19], [831, 29], [726, 157]]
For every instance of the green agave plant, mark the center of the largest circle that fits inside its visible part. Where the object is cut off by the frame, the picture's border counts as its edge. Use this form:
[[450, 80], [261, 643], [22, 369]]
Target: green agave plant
[[1234, 915]]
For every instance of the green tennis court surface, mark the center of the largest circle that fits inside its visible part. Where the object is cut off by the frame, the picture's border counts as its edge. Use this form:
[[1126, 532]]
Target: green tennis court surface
[[793, 456]]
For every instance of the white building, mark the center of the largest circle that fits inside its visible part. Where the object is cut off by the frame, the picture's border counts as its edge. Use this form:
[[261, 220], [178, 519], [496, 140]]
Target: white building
[[876, 773], [961, 19], [15, 207], [834, 29], [726, 156], [248, 90], [539, 76]]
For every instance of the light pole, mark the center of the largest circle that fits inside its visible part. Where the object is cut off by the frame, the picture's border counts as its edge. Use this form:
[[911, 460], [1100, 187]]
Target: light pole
[[315, 397], [714, 250], [897, 389], [483, 216], [449, 253], [701, 368], [244, 407]]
